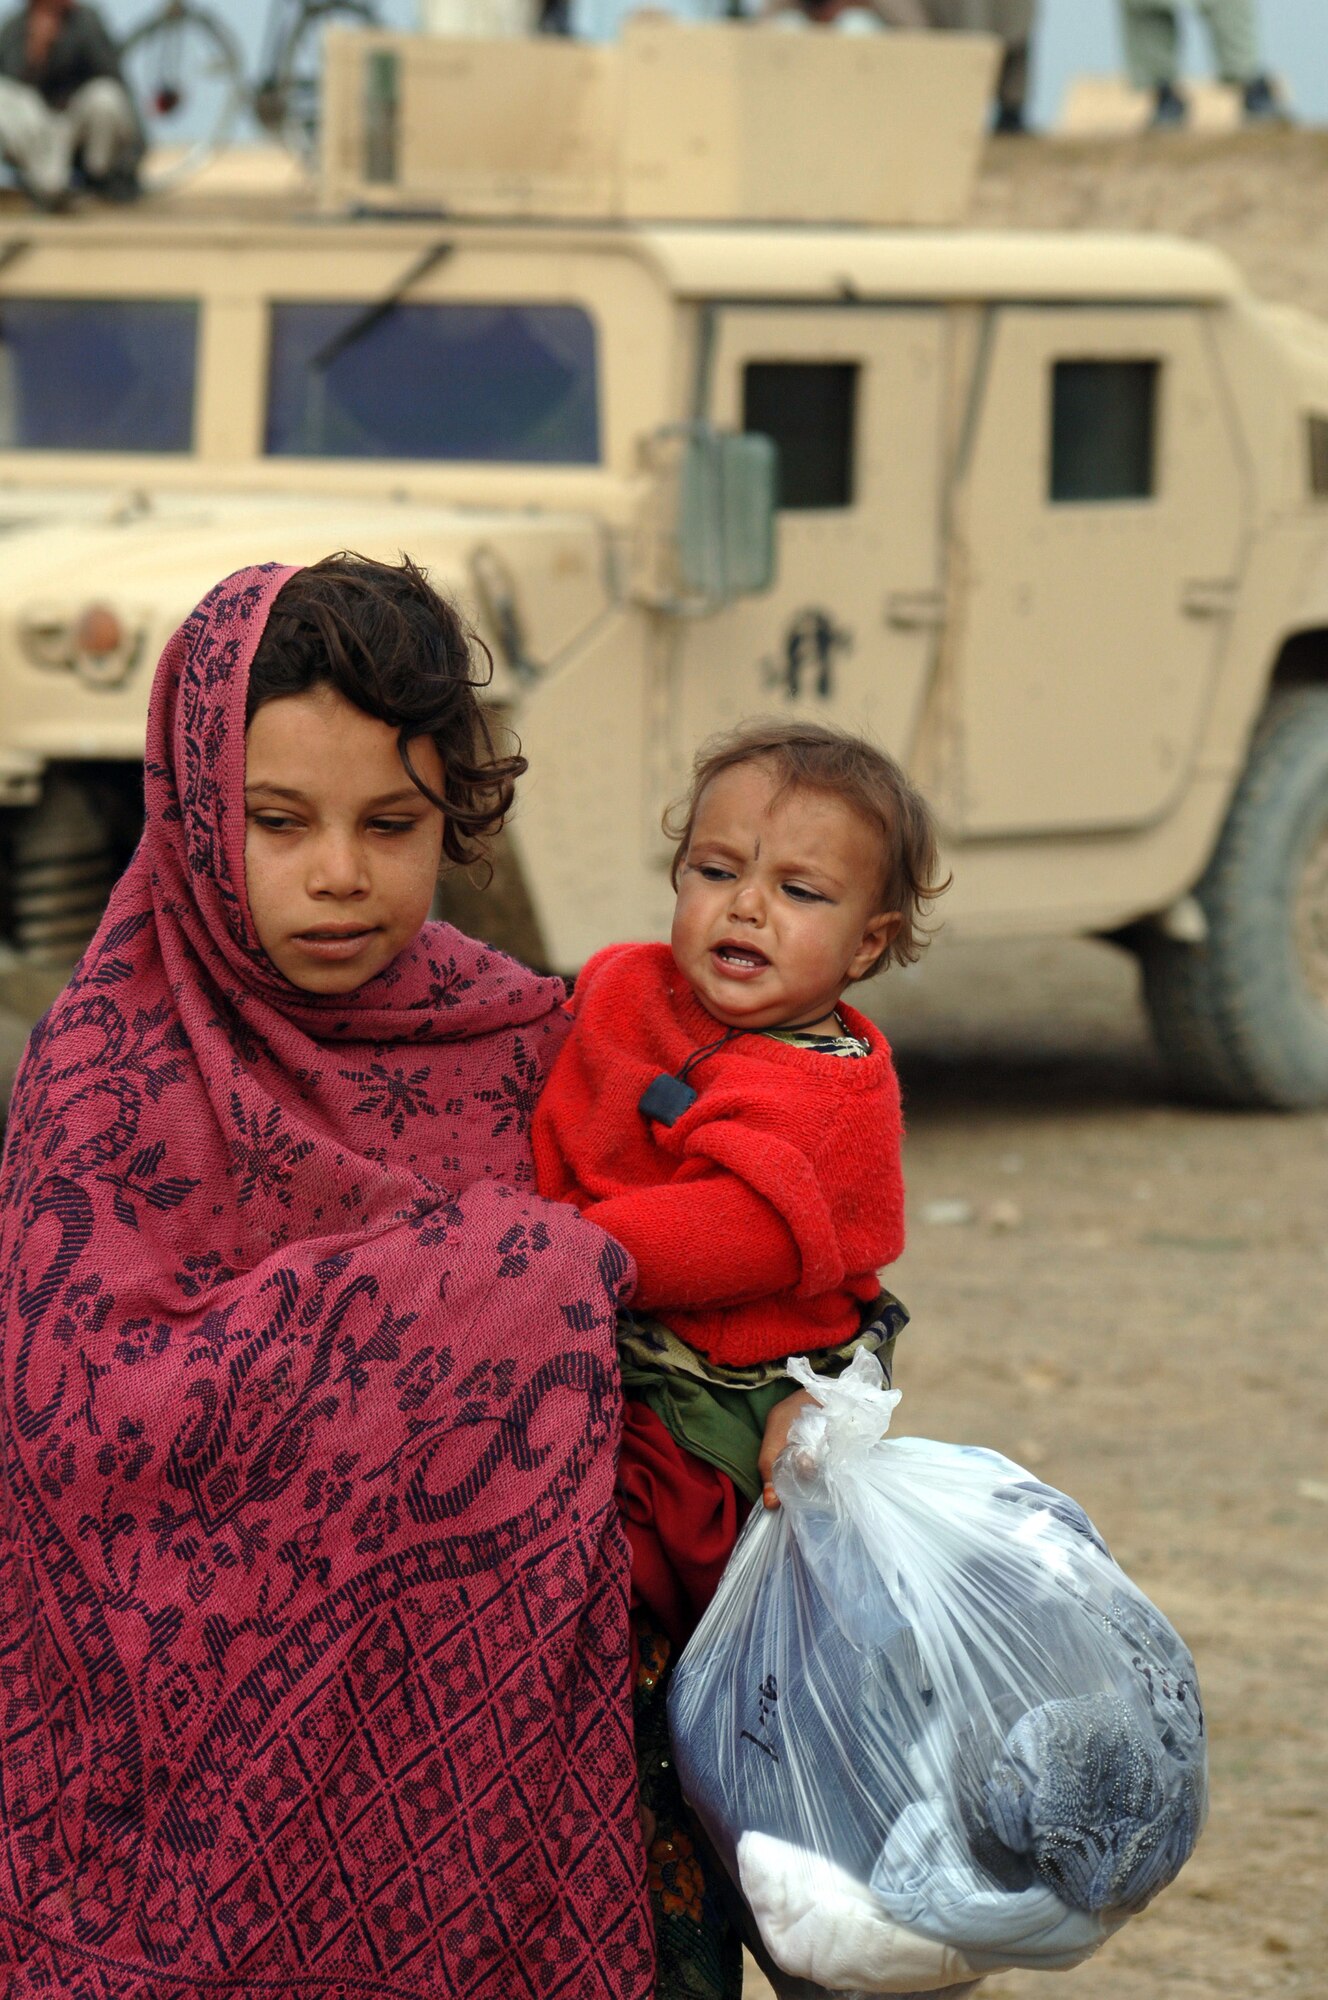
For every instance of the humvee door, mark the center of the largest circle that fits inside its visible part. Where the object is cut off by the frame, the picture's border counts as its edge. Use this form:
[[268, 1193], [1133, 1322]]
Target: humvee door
[[1098, 527], [851, 396]]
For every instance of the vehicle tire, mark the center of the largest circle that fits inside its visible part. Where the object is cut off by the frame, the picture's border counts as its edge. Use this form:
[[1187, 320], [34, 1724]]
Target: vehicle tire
[[1242, 1018], [287, 101], [183, 69]]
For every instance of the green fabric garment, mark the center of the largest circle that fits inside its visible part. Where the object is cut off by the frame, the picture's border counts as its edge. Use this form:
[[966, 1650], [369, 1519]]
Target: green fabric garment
[[719, 1414]]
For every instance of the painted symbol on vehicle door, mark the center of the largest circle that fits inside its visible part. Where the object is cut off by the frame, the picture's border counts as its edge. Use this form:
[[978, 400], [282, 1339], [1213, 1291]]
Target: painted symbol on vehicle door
[[805, 663]]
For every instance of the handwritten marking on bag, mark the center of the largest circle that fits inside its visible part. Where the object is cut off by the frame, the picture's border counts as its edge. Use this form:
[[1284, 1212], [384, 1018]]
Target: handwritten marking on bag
[[769, 1748], [767, 1696]]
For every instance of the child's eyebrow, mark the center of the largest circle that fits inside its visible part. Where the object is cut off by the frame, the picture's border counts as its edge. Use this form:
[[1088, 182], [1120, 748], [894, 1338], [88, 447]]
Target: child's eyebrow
[[814, 871], [715, 844], [737, 845], [407, 795]]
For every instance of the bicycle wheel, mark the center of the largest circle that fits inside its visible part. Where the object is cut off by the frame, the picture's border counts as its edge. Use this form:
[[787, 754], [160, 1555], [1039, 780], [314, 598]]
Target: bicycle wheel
[[184, 71], [287, 99]]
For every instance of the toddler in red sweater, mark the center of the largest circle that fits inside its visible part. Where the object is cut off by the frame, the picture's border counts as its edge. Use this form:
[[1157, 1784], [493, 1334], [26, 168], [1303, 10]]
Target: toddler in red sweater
[[720, 1111], [725, 1115]]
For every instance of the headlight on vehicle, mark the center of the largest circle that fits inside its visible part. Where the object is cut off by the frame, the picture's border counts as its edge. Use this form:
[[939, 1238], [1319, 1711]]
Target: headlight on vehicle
[[97, 643], [99, 632]]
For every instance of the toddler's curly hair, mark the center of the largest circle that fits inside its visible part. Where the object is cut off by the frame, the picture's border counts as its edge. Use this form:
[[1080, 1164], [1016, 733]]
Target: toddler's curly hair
[[811, 756], [383, 637]]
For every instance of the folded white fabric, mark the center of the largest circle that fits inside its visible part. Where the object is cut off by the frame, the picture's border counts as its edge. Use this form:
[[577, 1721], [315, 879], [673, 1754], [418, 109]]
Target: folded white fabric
[[819, 1924]]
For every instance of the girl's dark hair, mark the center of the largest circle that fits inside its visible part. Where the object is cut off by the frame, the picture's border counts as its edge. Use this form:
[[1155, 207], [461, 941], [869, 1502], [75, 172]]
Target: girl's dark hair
[[383, 637], [812, 757]]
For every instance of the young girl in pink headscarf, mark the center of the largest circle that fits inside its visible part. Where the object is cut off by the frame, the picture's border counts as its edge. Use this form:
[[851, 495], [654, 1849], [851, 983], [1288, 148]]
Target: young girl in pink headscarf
[[313, 1598]]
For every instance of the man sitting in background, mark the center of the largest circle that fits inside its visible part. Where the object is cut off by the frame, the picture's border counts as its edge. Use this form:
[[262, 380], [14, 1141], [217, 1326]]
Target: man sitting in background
[[64, 106]]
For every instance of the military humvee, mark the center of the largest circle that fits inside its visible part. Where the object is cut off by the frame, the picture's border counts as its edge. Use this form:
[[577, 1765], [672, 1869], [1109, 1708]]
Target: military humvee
[[697, 424]]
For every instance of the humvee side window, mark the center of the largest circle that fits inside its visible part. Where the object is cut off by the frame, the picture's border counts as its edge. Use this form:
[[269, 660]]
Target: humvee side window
[[1317, 427], [1103, 430], [97, 374], [807, 408], [501, 382]]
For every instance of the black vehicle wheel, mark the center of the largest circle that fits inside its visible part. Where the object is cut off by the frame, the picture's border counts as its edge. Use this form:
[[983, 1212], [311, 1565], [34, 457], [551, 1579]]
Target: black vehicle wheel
[[184, 71], [288, 100], [1242, 1018]]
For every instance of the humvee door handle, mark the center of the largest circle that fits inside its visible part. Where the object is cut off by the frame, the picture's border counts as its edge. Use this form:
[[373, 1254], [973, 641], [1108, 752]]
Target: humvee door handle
[[915, 610], [1208, 597]]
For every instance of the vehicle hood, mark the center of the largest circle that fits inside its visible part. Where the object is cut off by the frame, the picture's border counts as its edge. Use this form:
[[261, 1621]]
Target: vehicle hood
[[151, 559]]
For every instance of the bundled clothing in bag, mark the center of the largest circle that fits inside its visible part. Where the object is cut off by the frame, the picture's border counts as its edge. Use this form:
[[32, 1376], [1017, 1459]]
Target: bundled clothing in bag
[[931, 1727]]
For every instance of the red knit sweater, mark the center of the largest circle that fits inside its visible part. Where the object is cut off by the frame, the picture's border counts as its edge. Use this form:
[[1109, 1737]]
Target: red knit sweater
[[759, 1220]]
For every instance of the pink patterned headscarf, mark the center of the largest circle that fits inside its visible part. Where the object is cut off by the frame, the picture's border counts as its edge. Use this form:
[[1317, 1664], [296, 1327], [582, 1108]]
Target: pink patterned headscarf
[[313, 1600]]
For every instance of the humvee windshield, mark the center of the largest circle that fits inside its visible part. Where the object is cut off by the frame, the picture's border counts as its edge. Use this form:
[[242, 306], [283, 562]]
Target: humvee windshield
[[97, 374], [489, 382]]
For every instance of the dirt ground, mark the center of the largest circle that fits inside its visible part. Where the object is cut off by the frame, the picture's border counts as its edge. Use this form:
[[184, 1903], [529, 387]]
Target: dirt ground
[[1262, 197], [1136, 1310]]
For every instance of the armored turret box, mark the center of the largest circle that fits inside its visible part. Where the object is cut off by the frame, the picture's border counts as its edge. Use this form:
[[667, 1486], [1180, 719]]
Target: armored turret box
[[716, 123]]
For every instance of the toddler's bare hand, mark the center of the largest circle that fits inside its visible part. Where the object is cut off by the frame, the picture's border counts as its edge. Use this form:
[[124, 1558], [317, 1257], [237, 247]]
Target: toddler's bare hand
[[777, 1427]]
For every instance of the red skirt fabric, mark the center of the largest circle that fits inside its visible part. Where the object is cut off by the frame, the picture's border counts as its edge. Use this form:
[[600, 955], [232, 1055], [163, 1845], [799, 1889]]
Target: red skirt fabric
[[681, 1517]]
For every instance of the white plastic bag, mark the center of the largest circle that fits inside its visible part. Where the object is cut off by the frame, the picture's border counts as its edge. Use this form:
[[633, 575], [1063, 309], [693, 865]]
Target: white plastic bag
[[930, 1726]]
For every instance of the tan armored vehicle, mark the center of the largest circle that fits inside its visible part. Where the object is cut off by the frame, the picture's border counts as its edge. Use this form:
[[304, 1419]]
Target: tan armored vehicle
[[699, 424]]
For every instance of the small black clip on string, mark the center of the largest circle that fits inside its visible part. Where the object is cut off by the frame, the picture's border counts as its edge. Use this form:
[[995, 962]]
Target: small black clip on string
[[666, 1097]]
